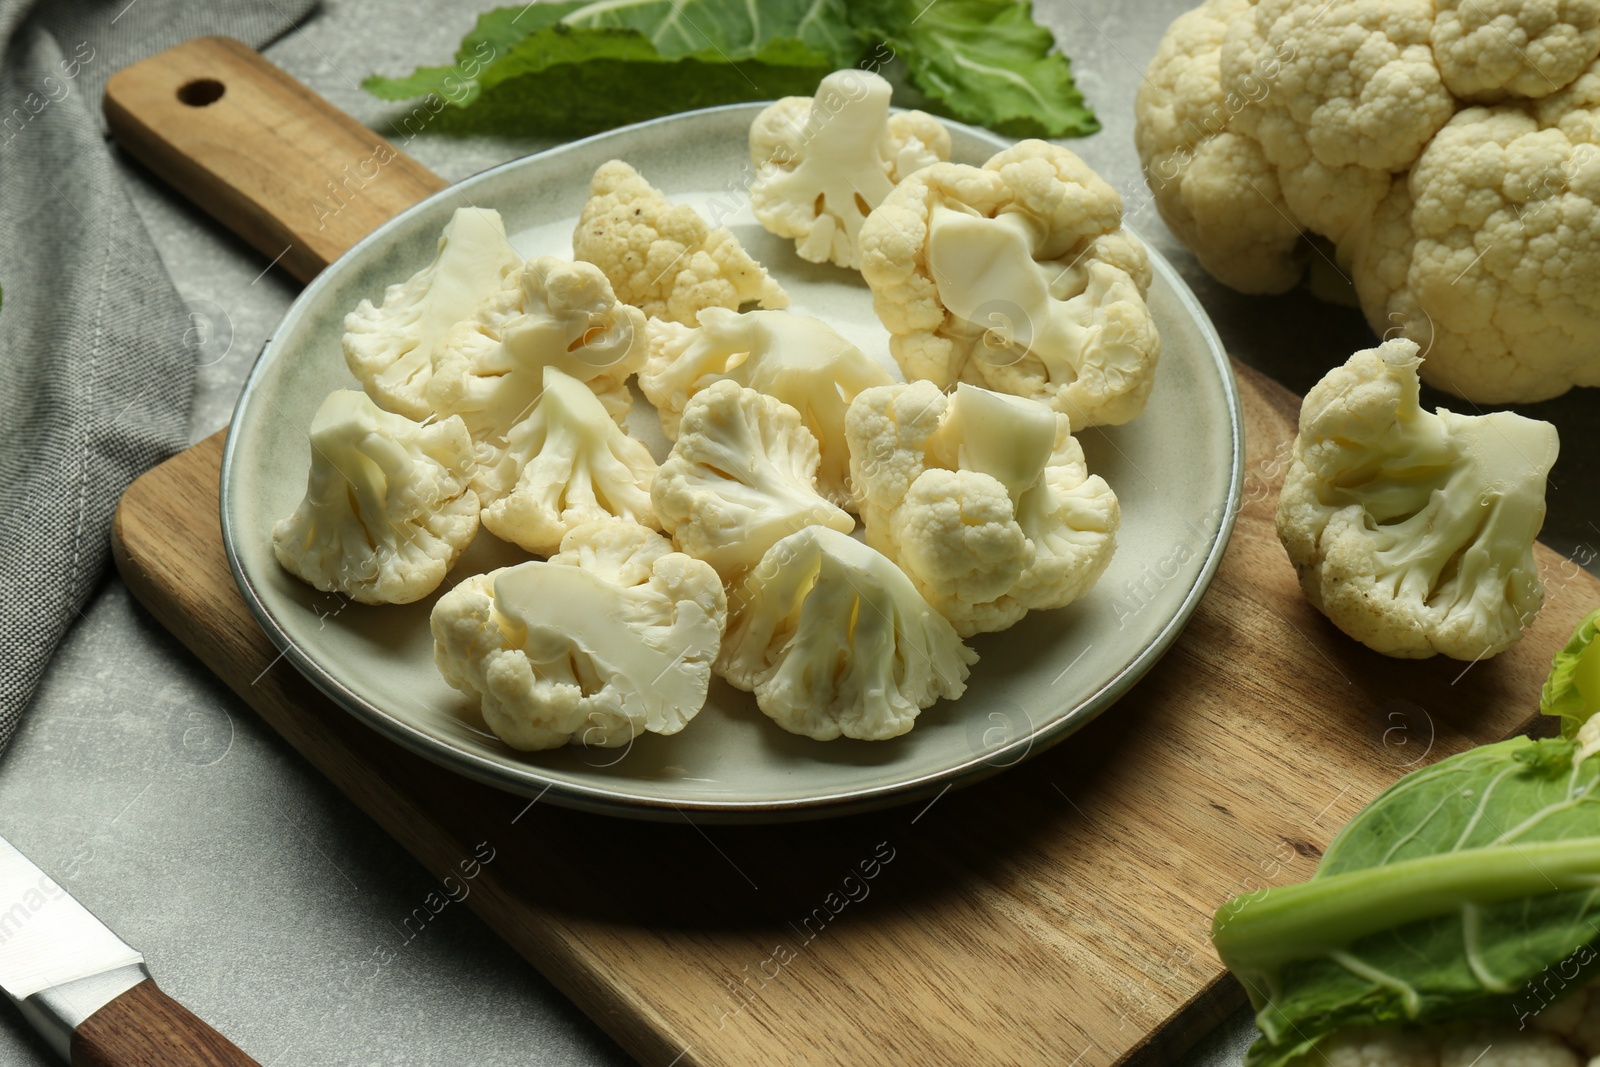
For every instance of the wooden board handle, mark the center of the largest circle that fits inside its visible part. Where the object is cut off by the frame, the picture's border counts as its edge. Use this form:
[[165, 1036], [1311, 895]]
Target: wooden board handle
[[146, 1028], [267, 157]]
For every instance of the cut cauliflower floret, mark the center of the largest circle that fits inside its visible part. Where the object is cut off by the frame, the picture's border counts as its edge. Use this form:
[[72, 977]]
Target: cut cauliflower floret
[[614, 636], [741, 477], [834, 639], [663, 257], [565, 465], [1016, 276], [1470, 229], [1413, 532], [387, 509], [798, 359], [552, 313], [983, 499], [1561, 1034], [824, 163], [390, 349]]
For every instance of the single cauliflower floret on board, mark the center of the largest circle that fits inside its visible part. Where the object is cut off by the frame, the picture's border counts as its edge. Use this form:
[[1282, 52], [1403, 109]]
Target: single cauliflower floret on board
[[1472, 230], [387, 509], [662, 257], [550, 314], [390, 347], [983, 499], [1016, 276], [835, 641], [824, 162], [741, 477], [798, 359], [565, 465], [1413, 531], [611, 637]]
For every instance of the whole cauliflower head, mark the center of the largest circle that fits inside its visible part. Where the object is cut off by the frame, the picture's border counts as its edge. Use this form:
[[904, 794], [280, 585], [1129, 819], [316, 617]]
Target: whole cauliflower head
[[983, 499], [798, 359], [834, 640], [490, 369], [824, 162], [565, 465], [741, 477], [1413, 531], [1469, 229], [387, 509], [612, 637], [1016, 276], [390, 347], [662, 257]]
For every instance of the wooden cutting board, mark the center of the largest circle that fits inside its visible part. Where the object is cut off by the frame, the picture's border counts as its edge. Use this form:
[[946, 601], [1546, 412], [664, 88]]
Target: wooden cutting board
[[1055, 914]]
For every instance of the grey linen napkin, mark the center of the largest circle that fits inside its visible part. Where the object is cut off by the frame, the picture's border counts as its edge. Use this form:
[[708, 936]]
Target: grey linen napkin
[[95, 376]]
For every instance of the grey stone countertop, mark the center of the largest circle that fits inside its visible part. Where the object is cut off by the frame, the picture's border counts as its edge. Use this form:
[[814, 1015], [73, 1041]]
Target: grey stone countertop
[[254, 887]]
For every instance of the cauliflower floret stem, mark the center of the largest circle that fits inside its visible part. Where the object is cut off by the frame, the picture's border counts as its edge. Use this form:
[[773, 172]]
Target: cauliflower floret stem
[[987, 277]]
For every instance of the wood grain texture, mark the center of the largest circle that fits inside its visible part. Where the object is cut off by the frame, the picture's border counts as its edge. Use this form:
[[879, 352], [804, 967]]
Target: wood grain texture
[[146, 1028], [1056, 913], [271, 160]]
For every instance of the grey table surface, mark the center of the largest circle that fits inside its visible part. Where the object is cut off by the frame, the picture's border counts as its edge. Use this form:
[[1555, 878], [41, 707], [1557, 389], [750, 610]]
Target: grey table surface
[[255, 889]]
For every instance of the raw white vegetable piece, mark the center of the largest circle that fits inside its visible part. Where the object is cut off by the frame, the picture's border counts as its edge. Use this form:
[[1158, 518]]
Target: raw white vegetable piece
[[824, 162], [741, 477], [1016, 276], [1413, 531], [798, 359], [390, 348], [983, 499], [565, 465], [387, 509], [613, 636], [834, 640], [663, 257], [552, 313]]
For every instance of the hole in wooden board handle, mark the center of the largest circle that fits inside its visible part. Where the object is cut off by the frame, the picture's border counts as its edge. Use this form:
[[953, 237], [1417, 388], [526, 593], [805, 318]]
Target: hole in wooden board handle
[[201, 92]]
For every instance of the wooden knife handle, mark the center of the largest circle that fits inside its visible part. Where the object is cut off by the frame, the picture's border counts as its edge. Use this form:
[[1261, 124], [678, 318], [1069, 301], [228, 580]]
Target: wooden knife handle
[[146, 1028], [267, 157]]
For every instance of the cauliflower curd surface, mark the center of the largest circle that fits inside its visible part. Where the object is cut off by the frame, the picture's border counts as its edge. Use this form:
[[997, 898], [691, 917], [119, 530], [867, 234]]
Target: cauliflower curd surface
[[1449, 149]]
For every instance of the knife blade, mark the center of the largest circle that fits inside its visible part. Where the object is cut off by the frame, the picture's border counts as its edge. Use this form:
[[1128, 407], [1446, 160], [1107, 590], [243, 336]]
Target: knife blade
[[84, 989]]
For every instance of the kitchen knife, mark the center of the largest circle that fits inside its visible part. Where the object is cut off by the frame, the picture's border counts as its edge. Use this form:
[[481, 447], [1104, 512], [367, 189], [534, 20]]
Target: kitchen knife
[[86, 991]]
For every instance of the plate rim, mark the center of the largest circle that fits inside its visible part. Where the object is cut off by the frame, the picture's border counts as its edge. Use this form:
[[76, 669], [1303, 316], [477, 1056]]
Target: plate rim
[[619, 803]]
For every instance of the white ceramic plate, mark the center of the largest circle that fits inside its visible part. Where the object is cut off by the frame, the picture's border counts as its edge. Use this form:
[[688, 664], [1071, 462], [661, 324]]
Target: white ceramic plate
[[1177, 471]]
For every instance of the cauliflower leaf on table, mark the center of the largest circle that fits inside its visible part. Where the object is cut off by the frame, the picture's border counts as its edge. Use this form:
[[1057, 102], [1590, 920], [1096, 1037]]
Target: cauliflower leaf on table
[[565, 465], [741, 477], [824, 162], [1016, 276], [662, 257], [388, 509], [798, 359], [1457, 911], [1572, 689], [390, 348], [983, 499], [1413, 531], [490, 369], [612, 637], [833, 639]]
